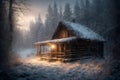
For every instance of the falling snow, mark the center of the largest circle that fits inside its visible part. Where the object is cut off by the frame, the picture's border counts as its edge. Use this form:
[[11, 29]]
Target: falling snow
[[35, 69]]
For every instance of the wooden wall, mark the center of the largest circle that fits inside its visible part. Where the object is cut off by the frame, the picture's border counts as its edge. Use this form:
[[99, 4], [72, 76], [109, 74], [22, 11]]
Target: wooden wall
[[74, 50], [77, 49], [62, 32]]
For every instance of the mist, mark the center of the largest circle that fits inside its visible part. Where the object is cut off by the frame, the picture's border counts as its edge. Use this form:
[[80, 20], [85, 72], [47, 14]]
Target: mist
[[26, 26], [36, 26], [26, 22]]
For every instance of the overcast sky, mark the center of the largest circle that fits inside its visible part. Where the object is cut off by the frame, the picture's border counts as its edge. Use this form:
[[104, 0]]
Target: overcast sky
[[39, 7]]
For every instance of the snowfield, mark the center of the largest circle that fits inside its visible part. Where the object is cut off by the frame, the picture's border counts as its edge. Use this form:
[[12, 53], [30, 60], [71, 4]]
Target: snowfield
[[35, 69]]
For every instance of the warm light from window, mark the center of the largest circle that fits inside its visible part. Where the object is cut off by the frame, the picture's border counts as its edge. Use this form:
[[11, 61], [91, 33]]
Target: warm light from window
[[53, 46]]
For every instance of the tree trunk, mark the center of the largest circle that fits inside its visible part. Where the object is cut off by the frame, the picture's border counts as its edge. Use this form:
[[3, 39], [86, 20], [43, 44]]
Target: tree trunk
[[3, 34], [11, 21]]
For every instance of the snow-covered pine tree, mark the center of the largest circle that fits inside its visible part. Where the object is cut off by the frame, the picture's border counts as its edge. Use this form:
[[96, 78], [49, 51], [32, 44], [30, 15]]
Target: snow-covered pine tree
[[86, 12], [32, 31], [40, 27], [95, 13], [77, 12], [67, 12], [36, 29], [60, 13], [48, 22], [55, 15], [52, 19]]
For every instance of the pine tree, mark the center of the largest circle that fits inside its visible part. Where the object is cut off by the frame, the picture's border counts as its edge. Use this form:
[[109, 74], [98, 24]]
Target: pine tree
[[77, 11], [55, 15], [86, 12], [48, 22], [55, 9], [60, 13], [36, 29], [82, 12], [40, 29], [52, 19], [67, 15]]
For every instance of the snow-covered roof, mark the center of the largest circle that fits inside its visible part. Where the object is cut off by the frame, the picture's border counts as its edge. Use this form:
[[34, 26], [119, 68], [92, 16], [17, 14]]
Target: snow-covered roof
[[57, 40], [82, 31]]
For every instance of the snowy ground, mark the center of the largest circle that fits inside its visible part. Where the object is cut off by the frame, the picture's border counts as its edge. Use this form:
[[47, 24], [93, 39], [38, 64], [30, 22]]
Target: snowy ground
[[35, 69], [24, 53]]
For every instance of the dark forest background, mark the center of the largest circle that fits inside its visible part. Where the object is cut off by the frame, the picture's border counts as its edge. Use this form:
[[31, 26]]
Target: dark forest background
[[99, 15], [103, 16]]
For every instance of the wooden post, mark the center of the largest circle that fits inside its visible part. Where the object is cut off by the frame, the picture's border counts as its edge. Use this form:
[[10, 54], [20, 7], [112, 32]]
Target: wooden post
[[40, 50], [50, 54], [37, 50]]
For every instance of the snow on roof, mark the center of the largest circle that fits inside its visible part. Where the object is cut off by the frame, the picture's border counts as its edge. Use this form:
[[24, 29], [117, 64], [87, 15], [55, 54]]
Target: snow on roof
[[82, 32], [57, 40], [79, 30]]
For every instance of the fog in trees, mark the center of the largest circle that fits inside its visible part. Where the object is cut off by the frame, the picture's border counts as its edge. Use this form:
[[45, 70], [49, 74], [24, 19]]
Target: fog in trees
[[67, 14], [8, 12], [99, 15], [102, 16], [96, 14]]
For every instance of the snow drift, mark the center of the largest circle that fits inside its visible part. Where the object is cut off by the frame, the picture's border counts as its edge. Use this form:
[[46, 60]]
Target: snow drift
[[35, 69]]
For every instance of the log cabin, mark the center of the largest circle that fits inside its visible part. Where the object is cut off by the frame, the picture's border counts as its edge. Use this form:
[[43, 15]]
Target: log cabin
[[71, 41]]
